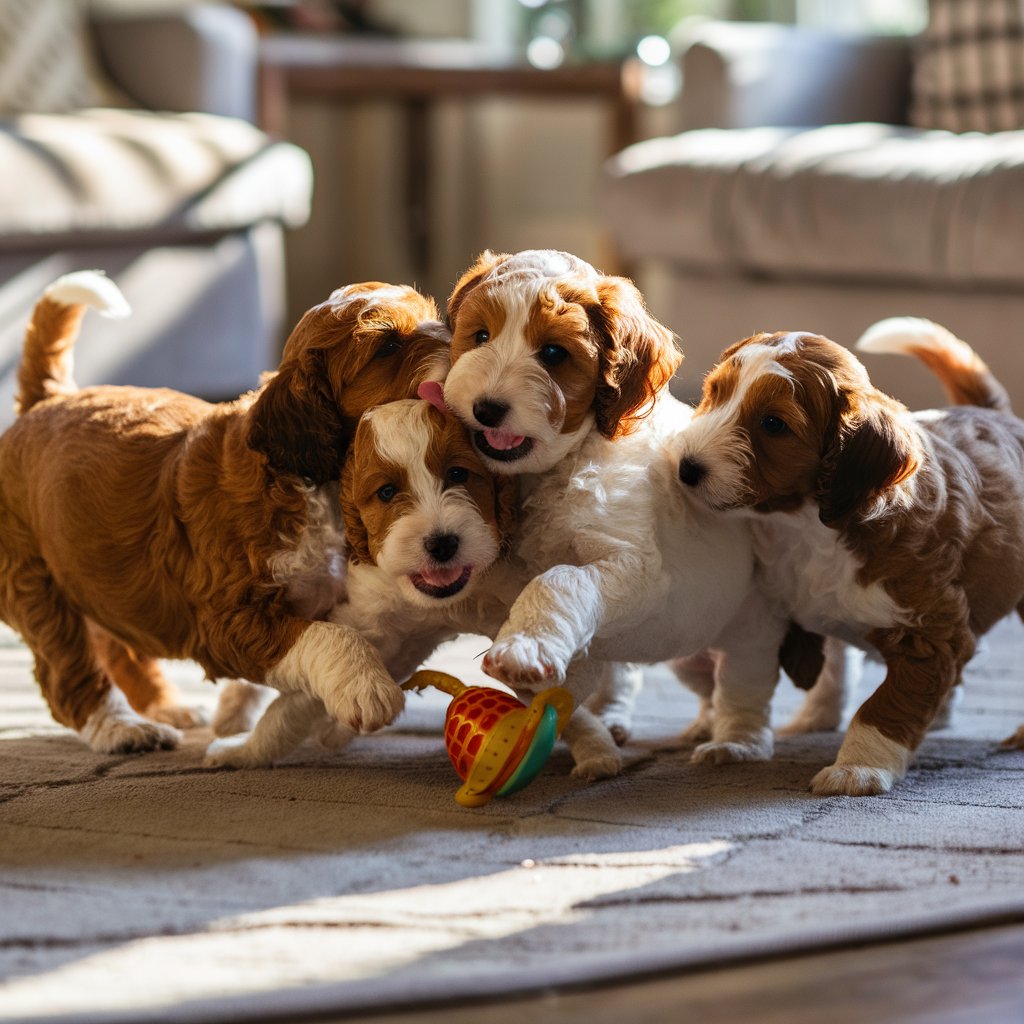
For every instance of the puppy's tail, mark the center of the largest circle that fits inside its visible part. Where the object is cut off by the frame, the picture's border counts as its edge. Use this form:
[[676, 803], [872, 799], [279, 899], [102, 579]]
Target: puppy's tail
[[966, 378], [46, 360]]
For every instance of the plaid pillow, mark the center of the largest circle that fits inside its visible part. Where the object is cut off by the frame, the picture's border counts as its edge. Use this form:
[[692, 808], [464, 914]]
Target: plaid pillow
[[45, 63], [969, 70]]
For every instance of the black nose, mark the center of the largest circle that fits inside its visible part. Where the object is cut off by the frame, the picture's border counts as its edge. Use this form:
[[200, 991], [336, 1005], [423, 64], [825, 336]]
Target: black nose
[[691, 472], [488, 412], [442, 546]]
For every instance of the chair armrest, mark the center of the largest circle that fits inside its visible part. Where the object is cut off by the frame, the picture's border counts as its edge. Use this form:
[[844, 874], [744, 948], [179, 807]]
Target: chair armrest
[[201, 58], [744, 75]]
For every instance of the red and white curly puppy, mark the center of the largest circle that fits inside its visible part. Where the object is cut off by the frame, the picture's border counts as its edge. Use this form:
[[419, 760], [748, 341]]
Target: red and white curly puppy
[[560, 373], [900, 532], [144, 523], [429, 528]]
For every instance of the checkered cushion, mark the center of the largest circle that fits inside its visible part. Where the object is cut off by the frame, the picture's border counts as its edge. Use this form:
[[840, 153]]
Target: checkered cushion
[[969, 71], [45, 64]]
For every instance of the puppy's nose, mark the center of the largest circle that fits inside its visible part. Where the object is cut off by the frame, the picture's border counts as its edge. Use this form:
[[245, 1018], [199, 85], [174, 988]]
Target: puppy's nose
[[691, 472], [442, 546], [488, 412]]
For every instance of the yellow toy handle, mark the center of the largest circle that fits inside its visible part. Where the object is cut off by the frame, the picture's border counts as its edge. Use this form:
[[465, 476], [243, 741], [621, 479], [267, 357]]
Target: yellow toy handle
[[442, 681]]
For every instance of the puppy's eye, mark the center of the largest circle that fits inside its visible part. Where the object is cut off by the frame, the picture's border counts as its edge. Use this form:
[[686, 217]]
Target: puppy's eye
[[388, 347], [482, 336], [552, 355], [387, 492], [457, 475], [773, 425]]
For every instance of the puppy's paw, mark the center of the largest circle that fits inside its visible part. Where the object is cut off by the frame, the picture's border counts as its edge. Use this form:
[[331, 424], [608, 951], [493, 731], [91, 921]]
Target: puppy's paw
[[368, 706], [620, 731], [524, 662], [128, 734], [239, 707], [334, 735], [598, 766], [1014, 742], [179, 716], [698, 731], [803, 722], [732, 752], [852, 780], [233, 752]]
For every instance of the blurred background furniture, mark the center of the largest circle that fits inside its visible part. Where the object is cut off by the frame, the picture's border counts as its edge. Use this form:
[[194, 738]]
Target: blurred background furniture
[[815, 187], [157, 176]]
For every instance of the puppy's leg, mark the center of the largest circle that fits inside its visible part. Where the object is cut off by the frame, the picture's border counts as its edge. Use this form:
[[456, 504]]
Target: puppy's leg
[[891, 723], [341, 668], [284, 725], [72, 678], [143, 682], [615, 700], [239, 707], [697, 673], [822, 709], [747, 671], [589, 740]]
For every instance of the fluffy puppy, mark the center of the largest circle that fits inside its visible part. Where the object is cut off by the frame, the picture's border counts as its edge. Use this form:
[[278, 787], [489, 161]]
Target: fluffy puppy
[[145, 523], [560, 373], [428, 526], [900, 532]]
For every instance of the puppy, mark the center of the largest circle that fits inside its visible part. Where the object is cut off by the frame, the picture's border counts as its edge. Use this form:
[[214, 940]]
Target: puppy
[[428, 528], [145, 523], [899, 532], [560, 374]]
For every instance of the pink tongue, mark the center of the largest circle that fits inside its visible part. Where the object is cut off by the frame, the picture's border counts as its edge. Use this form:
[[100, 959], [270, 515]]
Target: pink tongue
[[441, 577], [502, 440]]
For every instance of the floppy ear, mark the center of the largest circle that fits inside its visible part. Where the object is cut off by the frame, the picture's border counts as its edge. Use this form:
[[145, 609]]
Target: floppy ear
[[295, 421], [871, 453], [355, 529], [506, 507], [638, 357], [485, 263]]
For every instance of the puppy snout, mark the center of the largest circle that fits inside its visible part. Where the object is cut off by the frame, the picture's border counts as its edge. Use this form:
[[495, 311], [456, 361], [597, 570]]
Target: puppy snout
[[489, 412], [691, 472], [442, 546]]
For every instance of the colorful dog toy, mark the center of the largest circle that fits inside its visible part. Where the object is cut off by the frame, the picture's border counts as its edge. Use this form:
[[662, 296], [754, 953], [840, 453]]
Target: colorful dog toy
[[496, 743]]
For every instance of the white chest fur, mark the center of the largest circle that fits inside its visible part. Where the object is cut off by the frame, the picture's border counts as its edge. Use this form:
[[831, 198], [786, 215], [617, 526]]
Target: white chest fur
[[806, 568]]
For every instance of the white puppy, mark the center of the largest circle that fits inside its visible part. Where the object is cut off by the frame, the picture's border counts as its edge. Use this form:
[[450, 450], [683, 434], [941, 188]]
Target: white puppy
[[561, 375]]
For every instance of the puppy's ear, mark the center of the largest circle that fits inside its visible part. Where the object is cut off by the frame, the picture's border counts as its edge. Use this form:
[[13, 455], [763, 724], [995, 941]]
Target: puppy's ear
[[873, 451], [638, 357], [506, 508], [485, 263], [355, 529], [295, 420]]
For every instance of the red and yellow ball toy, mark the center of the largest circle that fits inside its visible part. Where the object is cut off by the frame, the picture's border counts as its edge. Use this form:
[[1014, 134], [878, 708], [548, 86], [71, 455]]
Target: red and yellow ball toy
[[496, 743]]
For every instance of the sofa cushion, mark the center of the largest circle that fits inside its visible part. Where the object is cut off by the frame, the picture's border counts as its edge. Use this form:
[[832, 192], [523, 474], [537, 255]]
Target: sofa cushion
[[869, 201], [93, 175]]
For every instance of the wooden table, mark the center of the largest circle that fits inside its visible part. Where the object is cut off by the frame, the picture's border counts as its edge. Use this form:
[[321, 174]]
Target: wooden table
[[417, 74]]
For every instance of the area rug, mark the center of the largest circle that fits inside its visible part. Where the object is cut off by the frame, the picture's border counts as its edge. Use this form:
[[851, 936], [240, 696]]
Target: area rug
[[149, 888]]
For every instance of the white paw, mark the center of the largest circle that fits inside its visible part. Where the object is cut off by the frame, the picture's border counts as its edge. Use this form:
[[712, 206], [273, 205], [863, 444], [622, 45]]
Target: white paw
[[524, 662], [599, 766], [239, 707], [113, 728], [233, 752], [852, 780], [180, 717], [732, 752], [367, 706]]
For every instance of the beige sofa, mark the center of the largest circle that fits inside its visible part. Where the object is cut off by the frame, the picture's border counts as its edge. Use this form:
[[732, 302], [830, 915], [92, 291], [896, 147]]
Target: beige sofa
[[798, 198], [174, 193]]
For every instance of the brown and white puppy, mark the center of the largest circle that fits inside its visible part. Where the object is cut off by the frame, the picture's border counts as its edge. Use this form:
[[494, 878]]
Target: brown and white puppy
[[428, 527], [900, 532], [145, 523]]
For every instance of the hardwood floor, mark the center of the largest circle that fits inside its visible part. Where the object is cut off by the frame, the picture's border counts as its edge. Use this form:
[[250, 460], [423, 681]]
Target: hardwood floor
[[974, 977]]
